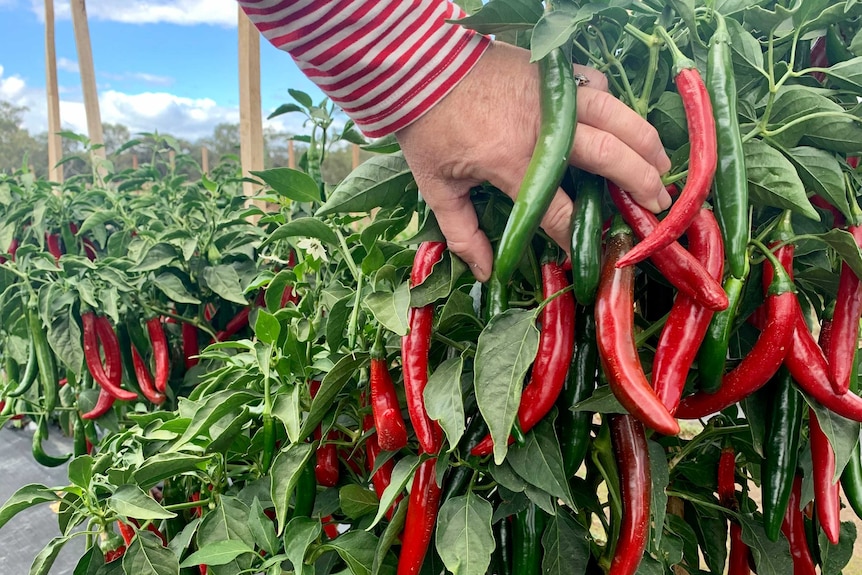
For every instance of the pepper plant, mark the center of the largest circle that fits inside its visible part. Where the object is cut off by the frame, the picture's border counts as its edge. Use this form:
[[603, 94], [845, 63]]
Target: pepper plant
[[328, 388]]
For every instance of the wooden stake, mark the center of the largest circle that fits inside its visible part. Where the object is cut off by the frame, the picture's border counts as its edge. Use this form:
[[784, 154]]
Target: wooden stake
[[134, 161], [291, 157], [205, 159], [55, 143], [355, 149], [250, 116], [88, 76]]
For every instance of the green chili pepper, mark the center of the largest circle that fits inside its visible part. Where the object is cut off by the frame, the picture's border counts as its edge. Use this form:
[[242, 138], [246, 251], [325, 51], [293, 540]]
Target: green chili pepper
[[39, 454], [574, 427], [781, 450], [587, 238], [25, 382], [851, 477], [527, 528], [80, 436], [558, 102], [730, 191], [45, 361], [501, 560], [713, 349], [306, 492], [268, 442], [836, 47]]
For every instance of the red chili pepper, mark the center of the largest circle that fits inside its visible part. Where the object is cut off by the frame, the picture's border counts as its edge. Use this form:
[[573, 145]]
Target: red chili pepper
[[794, 529], [330, 528], [818, 58], [52, 242], [737, 562], [845, 323], [196, 511], [838, 219], [632, 455], [421, 518], [688, 320], [190, 344], [414, 351], [145, 381], [556, 345], [103, 404], [383, 477], [767, 355], [160, 352], [114, 554], [152, 529], [98, 330], [614, 310], [391, 431], [326, 469], [126, 531], [727, 478], [680, 268], [237, 323], [701, 168]]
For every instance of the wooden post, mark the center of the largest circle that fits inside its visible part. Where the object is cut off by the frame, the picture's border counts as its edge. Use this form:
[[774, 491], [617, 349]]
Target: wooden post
[[172, 158], [291, 158], [250, 116], [55, 143], [134, 161], [88, 77], [205, 160], [355, 150]]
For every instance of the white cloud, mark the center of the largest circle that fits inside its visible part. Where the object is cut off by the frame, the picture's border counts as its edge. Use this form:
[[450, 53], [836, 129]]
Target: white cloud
[[67, 65], [183, 12], [152, 79]]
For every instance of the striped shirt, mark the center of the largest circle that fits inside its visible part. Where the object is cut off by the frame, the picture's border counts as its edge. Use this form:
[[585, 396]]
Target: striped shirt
[[384, 62]]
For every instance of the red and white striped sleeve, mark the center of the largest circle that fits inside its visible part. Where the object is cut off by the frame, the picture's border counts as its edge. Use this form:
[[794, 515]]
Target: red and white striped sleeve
[[384, 62]]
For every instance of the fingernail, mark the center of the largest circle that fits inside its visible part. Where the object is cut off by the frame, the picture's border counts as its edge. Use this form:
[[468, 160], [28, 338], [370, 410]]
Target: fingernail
[[663, 162], [664, 200]]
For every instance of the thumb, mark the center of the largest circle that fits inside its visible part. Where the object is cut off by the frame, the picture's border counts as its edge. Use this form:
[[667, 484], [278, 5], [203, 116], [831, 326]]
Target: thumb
[[457, 219]]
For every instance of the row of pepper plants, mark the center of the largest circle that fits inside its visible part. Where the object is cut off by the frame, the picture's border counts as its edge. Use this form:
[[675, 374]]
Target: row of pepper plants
[[332, 392]]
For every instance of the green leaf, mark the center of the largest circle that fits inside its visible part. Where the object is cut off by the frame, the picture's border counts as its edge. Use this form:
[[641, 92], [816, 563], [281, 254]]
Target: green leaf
[[711, 528], [162, 466], [90, 562], [96, 219], [821, 173], [286, 469], [847, 74], [356, 549], [332, 384], [390, 536], [44, 560], [24, 498], [357, 501], [567, 546], [377, 183], [539, 461], [440, 283], [771, 558], [835, 557], [146, 556], [174, 288], [266, 327], [745, 47], [660, 478], [390, 308], [843, 243], [227, 522], [401, 474], [158, 256], [773, 181], [215, 407], [601, 401], [286, 408], [291, 184], [262, 529], [64, 337], [303, 228], [837, 134], [443, 400], [284, 109], [668, 117], [224, 281], [299, 534], [501, 15], [464, 537], [217, 553], [336, 323], [130, 501], [506, 348], [843, 435]]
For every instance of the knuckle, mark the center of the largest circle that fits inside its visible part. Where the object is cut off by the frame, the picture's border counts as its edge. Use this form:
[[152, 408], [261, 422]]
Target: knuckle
[[603, 150]]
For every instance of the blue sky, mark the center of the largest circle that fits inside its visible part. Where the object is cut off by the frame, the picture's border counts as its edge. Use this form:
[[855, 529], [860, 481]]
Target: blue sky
[[167, 65]]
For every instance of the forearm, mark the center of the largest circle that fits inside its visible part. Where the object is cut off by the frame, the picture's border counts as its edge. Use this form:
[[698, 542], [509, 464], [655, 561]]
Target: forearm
[[384, 62]]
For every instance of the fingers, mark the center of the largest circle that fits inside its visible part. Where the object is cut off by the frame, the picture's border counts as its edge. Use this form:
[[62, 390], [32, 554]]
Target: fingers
[[603, 153], [601, 110], [457, 219], [595, 79]]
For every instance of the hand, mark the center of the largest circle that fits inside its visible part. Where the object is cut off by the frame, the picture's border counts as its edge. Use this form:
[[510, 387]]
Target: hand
[[485, 130]]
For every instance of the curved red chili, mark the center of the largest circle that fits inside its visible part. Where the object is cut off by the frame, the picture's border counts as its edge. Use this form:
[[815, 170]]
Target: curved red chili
[[737, 562], [160, 352], [688, 320], [236, 323], [383, 477], [614, 310], [98, 330], [103, 404], [414, 351], [556, 346], [675, 263], [767, 355], [825, 491], [701, 168], [794, 529], [145, 381], [326, 469], [421, 518], [845, 323], [391, 430], [632, 455], [727, 478]]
